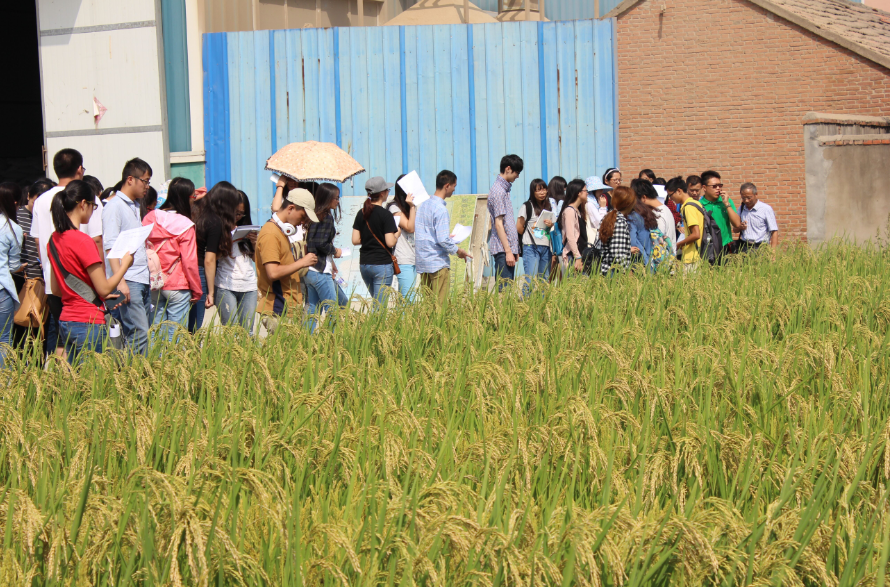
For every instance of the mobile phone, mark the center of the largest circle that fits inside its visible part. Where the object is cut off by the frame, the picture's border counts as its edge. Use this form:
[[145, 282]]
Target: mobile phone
[[112, 303]]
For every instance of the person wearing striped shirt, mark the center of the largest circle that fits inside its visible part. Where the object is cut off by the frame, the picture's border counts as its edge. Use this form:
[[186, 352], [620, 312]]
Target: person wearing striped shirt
[[432, 239]]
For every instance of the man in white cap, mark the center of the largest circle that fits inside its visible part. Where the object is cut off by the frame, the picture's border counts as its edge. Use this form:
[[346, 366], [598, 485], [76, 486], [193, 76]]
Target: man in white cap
[[277, 260], [597, 203]]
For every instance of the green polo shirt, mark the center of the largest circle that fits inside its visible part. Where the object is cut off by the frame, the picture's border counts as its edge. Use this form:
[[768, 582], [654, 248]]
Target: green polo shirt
[[721, 216]]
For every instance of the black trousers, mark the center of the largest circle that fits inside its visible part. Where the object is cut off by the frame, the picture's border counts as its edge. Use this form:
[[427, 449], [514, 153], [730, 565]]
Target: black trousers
[[748, 246]]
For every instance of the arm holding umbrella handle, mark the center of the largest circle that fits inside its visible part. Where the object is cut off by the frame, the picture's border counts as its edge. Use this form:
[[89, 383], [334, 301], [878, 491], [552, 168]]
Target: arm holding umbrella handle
[[284, 184]]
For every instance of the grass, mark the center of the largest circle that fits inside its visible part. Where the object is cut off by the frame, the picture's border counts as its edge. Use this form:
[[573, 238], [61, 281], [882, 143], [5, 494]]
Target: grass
[[727, 428]]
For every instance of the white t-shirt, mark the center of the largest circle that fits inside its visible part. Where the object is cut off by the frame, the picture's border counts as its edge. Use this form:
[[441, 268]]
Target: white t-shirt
[[404, 250], [595, 214], [42, 228], [236, 272], [533, 236], [666, 225]]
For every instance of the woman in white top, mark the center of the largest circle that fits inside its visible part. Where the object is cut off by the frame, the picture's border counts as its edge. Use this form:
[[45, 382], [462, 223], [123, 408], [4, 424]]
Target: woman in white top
[[536, 251], [404, 211], [597, 203], [235, 280]]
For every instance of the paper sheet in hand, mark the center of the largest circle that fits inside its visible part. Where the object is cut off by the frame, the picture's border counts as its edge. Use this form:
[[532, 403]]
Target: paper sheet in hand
[[242, 231], [662, 193], [275, 177], [128, 241], [460, 233], [545, 215], [412, 185], [345, 252]]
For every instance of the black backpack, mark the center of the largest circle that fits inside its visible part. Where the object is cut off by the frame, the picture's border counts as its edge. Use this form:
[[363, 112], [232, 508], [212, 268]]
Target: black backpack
[[710, 245]]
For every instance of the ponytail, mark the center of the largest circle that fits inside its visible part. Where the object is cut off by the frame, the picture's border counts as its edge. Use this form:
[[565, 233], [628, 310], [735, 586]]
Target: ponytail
[[67, 200], [369, 204], [607, 226], [623, 200]]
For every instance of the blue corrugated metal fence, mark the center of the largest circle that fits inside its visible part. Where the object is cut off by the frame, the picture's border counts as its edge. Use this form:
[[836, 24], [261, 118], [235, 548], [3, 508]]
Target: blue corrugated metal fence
[[453, 97]]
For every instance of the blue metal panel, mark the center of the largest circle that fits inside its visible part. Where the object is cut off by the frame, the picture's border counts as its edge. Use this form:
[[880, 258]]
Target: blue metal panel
[[603, 87], [551, 101], [412, 112], [358, 67], [392, 103], [426, 105], [565, 56], [250, 131], [347, 142], [312, 121], [176, 74], [256, 181], [471, 99], [403, 100], [236, 89], [295, 113], [541, 102], [513, 90], [376, 120], [460, 99], [480, 130], [584, 85], [444, 133], [327, 105], [279, 67], [531, 109], [494, 67], [216, 107], [575, 9]]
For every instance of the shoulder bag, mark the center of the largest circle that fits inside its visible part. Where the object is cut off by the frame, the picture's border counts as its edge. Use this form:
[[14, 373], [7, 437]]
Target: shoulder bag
[[395, 264]]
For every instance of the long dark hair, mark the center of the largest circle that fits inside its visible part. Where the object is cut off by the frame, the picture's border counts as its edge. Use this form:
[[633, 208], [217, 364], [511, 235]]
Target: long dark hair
[[556, 189], [622, 198], [219, 207], [179, 195], [573, 190], [325, 195], [10, 194], [401, 198], [536, 205], [245, 245], [369, 204], [66, 200], [644, 189]]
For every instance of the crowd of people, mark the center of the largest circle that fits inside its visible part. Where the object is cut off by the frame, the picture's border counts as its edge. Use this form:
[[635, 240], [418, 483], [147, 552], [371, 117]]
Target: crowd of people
[[60, 284]]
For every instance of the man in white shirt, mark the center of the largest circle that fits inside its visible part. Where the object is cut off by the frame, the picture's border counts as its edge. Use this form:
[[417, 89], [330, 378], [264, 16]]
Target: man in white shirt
[[68, 165], [664, 217], [758, 227]]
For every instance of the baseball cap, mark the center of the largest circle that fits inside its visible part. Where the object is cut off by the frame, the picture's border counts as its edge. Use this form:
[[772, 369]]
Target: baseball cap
[[303, 199], [375, 185], [595, 183]]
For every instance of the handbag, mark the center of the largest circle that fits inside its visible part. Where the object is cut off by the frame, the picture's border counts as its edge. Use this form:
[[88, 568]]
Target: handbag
[[157, 277], [395, 264], [32, 304]]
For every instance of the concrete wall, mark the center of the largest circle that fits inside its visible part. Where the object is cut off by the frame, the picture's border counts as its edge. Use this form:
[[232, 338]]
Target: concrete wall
[[731, 94], [846, 176]]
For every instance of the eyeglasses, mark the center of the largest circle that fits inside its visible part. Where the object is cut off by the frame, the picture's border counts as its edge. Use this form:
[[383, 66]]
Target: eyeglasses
[[715, 185], [147, 182], [239, 214], [93, 204]]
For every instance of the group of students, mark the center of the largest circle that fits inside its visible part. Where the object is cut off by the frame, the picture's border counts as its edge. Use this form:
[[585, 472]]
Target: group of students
[[59, 236]]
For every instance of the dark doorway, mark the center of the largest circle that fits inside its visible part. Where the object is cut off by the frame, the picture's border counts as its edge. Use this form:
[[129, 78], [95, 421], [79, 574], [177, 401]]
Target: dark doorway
[[21, 121]]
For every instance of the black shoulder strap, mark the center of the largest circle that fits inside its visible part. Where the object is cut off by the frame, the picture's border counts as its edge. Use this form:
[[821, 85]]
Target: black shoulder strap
[[528, 217], [76, 284]]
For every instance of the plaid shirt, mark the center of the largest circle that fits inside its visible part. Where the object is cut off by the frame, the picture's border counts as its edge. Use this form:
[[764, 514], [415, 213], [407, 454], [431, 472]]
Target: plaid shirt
[[499, 205], [320, 240], [616, 252]]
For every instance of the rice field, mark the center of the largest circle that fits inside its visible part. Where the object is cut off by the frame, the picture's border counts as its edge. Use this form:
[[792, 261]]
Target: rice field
[[724, 428]]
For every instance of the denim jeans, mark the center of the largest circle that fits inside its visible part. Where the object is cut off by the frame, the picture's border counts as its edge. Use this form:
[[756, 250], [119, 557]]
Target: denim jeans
[[80, 337], [7, 310], [53, 330], [321, 292], [536, 262], [196, 314], [502, 270], [172, 306], [375, 278], [236, 307], [134, 317], [407, 281]]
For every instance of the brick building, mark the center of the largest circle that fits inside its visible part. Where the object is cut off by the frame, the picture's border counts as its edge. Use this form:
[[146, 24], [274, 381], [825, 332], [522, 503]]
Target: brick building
[[725, 85]]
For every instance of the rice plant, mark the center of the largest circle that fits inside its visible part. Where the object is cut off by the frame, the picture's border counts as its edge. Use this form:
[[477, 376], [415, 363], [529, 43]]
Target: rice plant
[[725, 428]]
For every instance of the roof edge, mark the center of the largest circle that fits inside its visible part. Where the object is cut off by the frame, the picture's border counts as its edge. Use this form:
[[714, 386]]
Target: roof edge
[[803, 23], [846, 119]]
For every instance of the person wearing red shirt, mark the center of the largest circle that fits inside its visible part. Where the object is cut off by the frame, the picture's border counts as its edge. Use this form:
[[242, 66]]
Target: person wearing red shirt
[[78, 275]]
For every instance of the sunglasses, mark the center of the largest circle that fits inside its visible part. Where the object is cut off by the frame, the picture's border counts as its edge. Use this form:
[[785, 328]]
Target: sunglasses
[[715, 185]]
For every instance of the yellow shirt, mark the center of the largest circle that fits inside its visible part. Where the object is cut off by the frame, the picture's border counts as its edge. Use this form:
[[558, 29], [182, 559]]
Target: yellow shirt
[[272, 246], [692, 216]]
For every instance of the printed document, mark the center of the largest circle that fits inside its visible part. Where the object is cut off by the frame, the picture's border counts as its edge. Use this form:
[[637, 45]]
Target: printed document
[[412, 185], [129, 241]]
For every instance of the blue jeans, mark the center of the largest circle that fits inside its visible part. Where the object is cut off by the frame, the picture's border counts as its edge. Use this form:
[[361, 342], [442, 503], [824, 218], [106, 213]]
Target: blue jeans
[[236, 307], [407, 281], [80, 337], [375, 278], [53, 334], [321, 291], [502, 270], [7, 310], [536, 262], [134, 317], [196, 314], [173, 306]]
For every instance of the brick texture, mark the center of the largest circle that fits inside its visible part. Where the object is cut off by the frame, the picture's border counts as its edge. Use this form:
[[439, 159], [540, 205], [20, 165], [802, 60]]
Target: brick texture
[[724, 85]]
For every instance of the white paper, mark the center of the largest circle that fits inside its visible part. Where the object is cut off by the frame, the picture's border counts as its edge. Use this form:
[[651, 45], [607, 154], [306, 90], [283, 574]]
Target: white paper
[[412, 185], [345, 252], [242, 231], [460, 233], [275, 177], [129, 241], [545, 215], [662, 193]]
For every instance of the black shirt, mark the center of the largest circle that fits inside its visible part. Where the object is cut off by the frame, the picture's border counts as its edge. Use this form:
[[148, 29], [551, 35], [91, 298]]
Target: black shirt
[[208, 238], [382, 223]]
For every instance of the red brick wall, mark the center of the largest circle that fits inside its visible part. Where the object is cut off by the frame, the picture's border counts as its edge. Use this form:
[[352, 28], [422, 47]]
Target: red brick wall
[[724, 84]]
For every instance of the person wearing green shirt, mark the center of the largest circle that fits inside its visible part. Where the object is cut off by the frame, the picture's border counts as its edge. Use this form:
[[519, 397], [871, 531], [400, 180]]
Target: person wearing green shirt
[[716, 201]]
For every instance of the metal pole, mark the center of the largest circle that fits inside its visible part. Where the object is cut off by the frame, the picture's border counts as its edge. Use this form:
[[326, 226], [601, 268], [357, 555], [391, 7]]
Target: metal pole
[[541, 14], [361, 12], [466, 11], [317, 13], [596, 8], [500, 6], [528, 10]]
